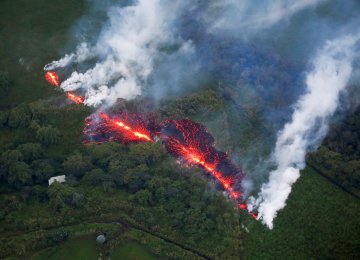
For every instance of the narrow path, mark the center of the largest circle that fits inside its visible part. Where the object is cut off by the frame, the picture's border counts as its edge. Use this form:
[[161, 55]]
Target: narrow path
[[124, 224], [182, 246], [155, 234]]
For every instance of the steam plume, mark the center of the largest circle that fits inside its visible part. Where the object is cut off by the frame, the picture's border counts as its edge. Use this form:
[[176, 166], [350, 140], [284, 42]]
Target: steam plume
[[248, 18], [146, 44], [309, 124], [82, 53], [126, 51], [145, 36]]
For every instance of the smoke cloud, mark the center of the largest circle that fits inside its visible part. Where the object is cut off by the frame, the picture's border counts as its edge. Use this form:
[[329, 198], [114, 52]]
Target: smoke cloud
[[126, 52], [258, 51], [309, 124], [141, 43], [83, 52], [245, 17]]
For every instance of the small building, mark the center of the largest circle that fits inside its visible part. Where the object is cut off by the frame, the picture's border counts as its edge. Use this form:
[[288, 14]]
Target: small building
[[60, 179]]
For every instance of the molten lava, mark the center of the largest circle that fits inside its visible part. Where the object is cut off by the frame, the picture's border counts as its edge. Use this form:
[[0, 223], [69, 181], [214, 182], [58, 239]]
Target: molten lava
[[243, 206], [52, 78], [185, 140], [75, 98], [192, 144], [254, 215], [122, 129]]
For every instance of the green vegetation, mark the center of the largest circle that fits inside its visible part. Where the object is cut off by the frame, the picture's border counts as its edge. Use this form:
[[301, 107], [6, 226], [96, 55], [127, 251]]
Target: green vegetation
[[164, 206], [147, 205], [73, 249], [205, 104], [339, 157], [131, 251], [318, 222], [5, 84], [344, 137], [140, 181], [32, 33]]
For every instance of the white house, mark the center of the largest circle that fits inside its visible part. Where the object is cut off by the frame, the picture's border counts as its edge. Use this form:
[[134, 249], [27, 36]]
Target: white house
[[60, 179]]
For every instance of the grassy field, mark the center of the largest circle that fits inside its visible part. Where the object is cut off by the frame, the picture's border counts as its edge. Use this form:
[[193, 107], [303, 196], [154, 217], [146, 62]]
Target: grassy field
[[86, 248], [72, 249], [132, 250], [320, 221], [32, 34]]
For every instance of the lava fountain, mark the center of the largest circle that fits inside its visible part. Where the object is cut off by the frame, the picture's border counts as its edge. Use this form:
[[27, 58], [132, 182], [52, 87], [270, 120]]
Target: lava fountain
[[52, 78]]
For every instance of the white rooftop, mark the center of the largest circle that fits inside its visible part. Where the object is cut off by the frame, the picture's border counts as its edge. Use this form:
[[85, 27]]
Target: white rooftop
[[60, 179]]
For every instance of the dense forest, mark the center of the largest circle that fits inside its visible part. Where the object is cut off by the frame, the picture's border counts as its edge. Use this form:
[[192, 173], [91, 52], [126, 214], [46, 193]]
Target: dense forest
[[339, 156], [137, 194], [139, 185], [141, 181]]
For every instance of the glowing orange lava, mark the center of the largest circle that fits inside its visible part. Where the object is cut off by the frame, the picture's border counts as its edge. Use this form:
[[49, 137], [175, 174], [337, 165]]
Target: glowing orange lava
[[194, 158], [52, 78], [184, 139], [254, 215], [187, 141], [76, 99], [123, 127], [193, 145], [243, 206]]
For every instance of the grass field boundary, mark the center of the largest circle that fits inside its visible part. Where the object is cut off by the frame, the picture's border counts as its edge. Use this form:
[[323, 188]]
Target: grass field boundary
[[320, 172], [123, 223]]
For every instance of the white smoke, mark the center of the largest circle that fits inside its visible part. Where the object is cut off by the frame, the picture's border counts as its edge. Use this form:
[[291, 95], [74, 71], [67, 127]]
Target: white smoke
[[309, 124], [126, 51], [245, 17], [135, 39], [83, 52], [139, 37]]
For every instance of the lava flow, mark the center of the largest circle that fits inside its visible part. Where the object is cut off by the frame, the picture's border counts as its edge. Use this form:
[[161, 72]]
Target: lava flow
[[75, 98], [192, 144], [185, 140], [52, 78], [122, 129]]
